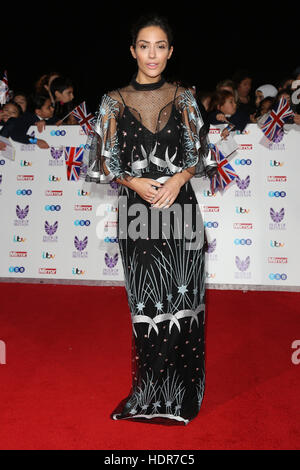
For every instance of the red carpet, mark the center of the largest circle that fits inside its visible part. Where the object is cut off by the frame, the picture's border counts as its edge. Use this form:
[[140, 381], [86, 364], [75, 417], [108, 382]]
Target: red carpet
[[68, 366]]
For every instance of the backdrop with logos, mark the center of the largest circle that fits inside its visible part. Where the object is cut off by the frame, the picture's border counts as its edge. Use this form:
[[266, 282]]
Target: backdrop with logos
[[56, 230]]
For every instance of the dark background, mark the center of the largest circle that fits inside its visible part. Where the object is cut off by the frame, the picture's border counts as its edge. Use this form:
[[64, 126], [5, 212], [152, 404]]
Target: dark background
[[89, 42]]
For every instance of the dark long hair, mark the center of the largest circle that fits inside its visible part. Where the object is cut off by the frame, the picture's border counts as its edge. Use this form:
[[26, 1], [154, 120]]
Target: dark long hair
[[152, 19]]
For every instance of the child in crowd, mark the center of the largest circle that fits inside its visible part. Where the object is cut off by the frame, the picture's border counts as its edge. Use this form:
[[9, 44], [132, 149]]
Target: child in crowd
[[264, 98], [263, 110], [10, 110], [223, 109], [9, 114], [62, 91], [21, 99], [264, 91], [41, 115], [284, 93]]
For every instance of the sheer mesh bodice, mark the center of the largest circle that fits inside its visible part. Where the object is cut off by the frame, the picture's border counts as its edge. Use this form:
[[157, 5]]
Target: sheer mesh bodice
[[141, 130], [151, 108]]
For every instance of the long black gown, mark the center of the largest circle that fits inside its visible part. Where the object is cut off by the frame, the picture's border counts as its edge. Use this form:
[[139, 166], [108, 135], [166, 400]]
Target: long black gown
[[154, 131]]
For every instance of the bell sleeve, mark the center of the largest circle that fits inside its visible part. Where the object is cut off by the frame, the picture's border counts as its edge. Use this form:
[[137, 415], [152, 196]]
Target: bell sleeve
[[101, 160], [197, 157]]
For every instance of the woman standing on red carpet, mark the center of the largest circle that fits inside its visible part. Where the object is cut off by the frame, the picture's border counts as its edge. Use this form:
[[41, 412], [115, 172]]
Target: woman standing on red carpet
[[150, 138]]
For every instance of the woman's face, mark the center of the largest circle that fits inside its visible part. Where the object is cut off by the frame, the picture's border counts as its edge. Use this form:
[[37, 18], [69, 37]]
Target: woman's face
[[244, 87], [151, 52]]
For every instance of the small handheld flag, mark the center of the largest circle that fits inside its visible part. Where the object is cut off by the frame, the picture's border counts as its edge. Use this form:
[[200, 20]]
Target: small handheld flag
[[225, 173], [73, 158], [273, 125], [84, 119]]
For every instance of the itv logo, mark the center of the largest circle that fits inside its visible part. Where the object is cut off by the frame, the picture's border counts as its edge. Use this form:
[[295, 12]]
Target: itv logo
[[241, 210], [276, 163], [25, 163]]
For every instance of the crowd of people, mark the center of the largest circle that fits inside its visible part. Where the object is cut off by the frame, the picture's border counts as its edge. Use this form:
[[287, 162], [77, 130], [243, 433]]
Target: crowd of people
[[233, 101], [51, 103]]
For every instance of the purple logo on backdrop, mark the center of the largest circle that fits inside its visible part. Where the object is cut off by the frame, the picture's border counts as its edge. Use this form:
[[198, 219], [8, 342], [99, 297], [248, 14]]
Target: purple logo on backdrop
[[113, 184], [50, 229], [210, 250], [277, 216], [242, 265], [56, 153], [0, 178], [22, 213], [211, 246], [21, 216], [80, 245], [243, 184], [111, 261]]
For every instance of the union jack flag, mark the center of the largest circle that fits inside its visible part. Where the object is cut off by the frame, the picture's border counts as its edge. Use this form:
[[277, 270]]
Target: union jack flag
[[73, 158], [85, 120], [225, 173], [277, 118]]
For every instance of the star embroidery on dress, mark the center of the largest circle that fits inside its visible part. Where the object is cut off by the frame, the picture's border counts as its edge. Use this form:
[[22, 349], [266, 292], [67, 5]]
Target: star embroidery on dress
[[169, 297], [140, 306], [159, 305], [182, 289]]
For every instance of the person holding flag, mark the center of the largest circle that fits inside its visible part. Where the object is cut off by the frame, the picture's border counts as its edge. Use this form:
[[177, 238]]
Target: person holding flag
[[62, 90], [85, 119]]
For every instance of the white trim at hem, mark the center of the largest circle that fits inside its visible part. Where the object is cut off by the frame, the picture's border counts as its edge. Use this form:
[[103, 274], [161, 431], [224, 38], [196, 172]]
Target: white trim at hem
[[177, 418]]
